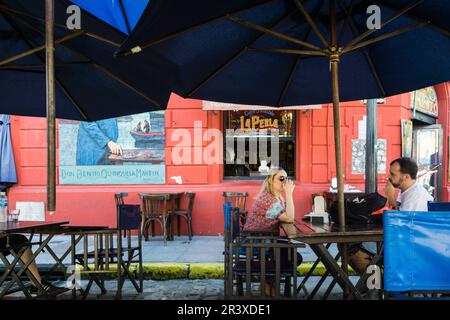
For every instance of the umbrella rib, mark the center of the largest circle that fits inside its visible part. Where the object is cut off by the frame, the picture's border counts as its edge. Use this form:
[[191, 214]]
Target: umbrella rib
[[297, 60], [32, 27], [311, 23], [97, 37], [288, 82], [255, 26], [110, 74], [238, 54], [72, 99], [80, 110], [125, 18], [366, 54], [291, 51], [412, 16], [332, 10], [37, 49], [176, 34], [347, 19], [26, 66], [13, 68], [103, 70], [20, 14], [389, 20], [385, 36]]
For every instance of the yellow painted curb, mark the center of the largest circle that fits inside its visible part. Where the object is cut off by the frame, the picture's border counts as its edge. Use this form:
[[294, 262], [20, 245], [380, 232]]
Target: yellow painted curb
[[167, 271]]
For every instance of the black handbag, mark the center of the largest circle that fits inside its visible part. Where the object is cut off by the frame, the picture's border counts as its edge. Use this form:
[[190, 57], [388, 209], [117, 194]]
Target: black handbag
[[358, 210]]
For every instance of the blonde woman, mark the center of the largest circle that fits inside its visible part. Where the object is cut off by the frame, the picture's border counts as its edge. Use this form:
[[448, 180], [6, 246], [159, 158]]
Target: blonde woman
[[269, 207]]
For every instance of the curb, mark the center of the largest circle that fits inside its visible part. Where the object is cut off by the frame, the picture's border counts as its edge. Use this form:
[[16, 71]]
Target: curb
[[193, 271], [160, 271]]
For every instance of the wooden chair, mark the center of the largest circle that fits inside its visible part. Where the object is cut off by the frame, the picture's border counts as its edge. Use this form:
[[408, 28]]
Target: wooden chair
[[155, 208], [104, 248], [247, 261], [186, 214], [237, 200], [96, 258]]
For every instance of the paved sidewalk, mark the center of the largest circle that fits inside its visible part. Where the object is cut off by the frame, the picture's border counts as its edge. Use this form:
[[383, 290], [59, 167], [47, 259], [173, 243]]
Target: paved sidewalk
[[201, 249]]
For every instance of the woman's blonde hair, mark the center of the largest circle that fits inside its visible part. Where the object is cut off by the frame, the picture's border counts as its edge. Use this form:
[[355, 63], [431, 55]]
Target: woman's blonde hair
[[268, 182]]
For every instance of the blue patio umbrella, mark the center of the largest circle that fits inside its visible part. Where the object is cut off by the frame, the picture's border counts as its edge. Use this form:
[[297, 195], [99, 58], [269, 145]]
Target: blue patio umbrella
[[7, 166], [122, 14], [90, 83], [297, 52]]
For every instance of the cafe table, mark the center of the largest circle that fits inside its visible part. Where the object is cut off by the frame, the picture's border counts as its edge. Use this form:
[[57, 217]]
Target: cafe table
[[320, 237], [50, 229]]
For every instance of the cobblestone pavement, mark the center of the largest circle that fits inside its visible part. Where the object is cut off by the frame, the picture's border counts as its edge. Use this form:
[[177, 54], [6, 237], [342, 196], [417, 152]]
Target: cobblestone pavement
[[204, 289]]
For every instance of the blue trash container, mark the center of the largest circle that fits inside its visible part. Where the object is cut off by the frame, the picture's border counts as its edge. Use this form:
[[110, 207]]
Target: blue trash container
[[416, 251]]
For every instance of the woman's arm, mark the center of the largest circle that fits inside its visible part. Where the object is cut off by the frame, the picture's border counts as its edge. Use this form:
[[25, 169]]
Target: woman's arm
[[288, 216]]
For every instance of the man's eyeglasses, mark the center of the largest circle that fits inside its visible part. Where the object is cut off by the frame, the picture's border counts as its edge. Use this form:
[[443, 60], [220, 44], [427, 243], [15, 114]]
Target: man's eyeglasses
[[282, 178]]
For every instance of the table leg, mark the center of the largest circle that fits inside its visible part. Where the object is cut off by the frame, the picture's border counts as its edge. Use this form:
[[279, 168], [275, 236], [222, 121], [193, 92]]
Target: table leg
[[335, 270], [330, 288], [322, 280], [344, 266], [308, 275], [59, 261], [73, 247], [25, 266], [10, 271]]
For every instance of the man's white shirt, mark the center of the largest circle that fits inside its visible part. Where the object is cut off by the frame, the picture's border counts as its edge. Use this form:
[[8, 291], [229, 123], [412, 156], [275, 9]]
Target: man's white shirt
[[415, 198]]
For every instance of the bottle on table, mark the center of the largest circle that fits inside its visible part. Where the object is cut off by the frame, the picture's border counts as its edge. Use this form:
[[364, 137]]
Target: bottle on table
[[3, 207]]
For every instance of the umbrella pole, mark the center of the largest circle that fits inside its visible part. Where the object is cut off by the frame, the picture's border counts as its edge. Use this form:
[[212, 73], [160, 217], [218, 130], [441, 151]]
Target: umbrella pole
[[337, 140], [51, 126], [334, 60], [334, 57]]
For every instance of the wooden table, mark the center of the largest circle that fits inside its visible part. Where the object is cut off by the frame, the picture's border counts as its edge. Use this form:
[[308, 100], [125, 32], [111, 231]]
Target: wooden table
[[320, 237], [32, 227], [175, 197]]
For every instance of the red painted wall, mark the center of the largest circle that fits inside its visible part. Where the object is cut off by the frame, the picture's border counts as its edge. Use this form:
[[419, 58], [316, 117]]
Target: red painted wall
[[315, 162]]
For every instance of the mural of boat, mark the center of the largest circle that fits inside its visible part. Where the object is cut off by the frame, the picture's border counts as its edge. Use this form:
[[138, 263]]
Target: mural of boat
[[143, 137], [138, 155]]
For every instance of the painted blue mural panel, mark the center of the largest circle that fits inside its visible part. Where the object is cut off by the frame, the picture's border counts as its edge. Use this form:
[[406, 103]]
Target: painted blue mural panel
[[89, 151]]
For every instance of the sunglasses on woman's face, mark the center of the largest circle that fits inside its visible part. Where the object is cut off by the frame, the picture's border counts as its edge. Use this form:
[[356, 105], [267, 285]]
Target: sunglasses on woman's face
[[282, 178]]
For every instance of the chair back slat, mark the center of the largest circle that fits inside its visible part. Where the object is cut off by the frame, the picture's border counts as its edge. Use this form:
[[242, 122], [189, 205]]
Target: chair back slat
[[119, 198], [106, 252], [154, 205], [85, 253], [191, 197], [237, 199], [96, 252]]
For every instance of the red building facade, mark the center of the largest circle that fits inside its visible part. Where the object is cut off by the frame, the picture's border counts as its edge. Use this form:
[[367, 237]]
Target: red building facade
[[314, 165]]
